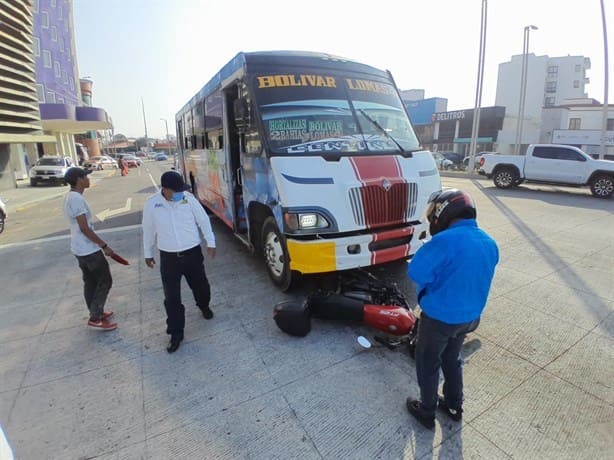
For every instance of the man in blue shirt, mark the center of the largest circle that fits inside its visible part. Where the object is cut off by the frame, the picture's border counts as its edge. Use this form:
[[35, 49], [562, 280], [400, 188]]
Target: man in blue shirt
[[453, 273]]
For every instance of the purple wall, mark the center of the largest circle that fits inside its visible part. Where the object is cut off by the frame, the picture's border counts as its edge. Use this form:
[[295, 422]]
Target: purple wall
[[53, 26]]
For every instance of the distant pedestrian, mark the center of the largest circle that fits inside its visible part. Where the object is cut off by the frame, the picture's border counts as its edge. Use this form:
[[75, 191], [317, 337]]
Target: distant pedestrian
[[121, 164], [452, 273], [89, 249], [174, 220]]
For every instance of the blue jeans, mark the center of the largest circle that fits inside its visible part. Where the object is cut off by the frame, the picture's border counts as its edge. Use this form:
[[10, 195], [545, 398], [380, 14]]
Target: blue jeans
[[438, 347]]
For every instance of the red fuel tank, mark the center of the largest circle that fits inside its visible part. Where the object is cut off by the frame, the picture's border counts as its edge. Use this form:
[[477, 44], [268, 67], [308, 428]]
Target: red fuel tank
[[392, 319]]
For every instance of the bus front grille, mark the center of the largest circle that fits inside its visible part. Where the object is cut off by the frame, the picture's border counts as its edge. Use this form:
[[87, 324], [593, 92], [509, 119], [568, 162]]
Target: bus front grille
[[372, 205]]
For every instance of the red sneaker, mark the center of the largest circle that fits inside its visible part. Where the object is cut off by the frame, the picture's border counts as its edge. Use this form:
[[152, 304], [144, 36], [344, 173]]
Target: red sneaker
[[107, 314], [102, 324]]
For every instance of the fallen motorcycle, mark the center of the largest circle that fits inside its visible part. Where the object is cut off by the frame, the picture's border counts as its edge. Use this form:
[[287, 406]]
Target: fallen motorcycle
[[358, 296]]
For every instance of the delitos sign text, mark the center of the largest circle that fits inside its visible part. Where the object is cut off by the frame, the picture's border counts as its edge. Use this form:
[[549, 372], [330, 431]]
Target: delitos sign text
[[449, 116]]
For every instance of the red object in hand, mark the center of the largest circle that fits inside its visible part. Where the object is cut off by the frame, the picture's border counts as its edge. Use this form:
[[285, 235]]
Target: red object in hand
[[120, 259], [392, 319]]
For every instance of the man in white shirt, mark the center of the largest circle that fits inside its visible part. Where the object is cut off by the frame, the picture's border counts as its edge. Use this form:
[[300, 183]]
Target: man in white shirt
[[174, 220], [89, 249]]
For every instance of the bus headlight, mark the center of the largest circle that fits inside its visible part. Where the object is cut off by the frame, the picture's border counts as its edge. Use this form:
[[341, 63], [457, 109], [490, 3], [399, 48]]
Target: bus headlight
[[305, 221]]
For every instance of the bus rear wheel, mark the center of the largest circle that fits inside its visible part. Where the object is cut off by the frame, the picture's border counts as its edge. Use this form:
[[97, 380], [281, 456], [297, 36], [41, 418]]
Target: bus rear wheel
[[276, 255]]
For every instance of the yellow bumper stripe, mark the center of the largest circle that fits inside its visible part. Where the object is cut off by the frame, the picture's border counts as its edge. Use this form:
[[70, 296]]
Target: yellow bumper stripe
[[312, 256]]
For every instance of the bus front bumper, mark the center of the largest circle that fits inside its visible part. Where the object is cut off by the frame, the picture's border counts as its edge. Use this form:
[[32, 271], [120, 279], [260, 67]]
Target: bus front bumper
[[329, 255]]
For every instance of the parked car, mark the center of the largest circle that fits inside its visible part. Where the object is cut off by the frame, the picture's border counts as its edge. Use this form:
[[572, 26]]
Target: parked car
[[552, 164], [3, 215], [441, 161], [99, 163], [161, 157], [131, 160], [50, 169], [455, 158]]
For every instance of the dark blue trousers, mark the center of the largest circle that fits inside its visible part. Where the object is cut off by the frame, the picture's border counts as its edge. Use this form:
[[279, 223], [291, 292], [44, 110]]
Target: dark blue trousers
[[174, 265], [438, 347]]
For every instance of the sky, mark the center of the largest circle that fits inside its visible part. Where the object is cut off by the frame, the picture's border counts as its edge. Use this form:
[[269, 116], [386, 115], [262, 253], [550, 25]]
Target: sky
[[161, 52]]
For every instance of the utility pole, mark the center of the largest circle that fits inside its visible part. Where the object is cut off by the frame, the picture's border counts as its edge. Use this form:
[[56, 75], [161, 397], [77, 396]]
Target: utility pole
[[144, 122], [523, 87], [604, 123], [168, 141], [475, 128]]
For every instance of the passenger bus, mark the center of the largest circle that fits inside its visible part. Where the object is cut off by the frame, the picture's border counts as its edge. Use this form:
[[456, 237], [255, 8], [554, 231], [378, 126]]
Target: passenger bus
[[310, 159]]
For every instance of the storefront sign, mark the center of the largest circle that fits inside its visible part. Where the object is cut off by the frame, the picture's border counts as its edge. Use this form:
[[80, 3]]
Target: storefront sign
[[581, 137], [449, 116]]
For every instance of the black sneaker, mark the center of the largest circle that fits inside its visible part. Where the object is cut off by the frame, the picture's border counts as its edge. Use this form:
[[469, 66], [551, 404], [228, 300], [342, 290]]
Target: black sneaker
[[415, 408], [207, 313], [454, 414], [173, 345]]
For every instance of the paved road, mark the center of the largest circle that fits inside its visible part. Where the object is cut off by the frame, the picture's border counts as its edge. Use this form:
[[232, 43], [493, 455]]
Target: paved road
[[538, 372], [122, 197]]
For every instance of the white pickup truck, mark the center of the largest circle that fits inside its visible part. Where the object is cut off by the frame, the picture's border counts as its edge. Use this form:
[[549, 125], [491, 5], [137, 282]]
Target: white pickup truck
[[551, 164]]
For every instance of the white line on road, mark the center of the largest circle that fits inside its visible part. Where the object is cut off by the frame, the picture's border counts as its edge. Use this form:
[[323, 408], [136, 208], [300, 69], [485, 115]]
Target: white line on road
[[109, 213], [154, 182]]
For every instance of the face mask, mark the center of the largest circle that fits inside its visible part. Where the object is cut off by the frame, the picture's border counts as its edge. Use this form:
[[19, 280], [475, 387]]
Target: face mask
[[177, 196]]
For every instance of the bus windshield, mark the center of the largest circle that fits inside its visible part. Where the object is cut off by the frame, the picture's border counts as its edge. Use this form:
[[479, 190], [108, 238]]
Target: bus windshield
[[311, 113]]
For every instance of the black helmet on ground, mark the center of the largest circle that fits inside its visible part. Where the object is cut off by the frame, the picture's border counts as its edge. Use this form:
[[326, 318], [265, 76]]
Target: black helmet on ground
[[449, 205]]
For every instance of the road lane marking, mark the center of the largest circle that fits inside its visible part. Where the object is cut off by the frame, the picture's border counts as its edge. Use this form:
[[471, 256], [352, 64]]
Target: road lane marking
[[153, 182], [109, 213]]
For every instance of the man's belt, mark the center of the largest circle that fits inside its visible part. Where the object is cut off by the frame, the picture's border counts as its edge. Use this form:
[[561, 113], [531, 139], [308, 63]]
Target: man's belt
[[180, 253]]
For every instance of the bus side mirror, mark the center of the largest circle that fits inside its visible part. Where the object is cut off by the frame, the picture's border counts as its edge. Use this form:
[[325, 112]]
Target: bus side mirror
[[241, 113]]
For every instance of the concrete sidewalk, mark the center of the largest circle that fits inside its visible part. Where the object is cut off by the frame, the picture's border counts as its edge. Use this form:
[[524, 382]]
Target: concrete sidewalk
[[538, 372]]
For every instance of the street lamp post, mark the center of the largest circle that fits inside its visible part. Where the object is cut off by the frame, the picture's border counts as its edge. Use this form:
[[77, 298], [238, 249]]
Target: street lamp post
[[523, 87], [475, 128], [604, 122], [168, 142]]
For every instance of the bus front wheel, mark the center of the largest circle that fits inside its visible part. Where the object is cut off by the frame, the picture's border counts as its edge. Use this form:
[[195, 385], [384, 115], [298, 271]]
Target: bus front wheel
[[276, 255]]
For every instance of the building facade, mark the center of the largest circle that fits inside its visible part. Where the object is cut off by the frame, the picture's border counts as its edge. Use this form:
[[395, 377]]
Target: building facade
[[579, 123], [421, 112], [64, 112], [20, 125], [40, 99], [452, 130], [550, 82]]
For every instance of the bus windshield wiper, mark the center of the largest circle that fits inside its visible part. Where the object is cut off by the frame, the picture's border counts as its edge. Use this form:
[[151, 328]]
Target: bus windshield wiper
[[378, 126]]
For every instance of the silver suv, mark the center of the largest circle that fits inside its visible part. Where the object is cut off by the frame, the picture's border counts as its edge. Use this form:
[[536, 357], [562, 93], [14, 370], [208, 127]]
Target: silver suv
[[49, 169]]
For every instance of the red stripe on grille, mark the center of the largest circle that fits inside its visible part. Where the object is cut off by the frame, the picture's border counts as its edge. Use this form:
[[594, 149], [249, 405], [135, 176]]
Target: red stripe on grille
[[384, 191], [383, 207], [394, 253], [388, 255], [373, 168]]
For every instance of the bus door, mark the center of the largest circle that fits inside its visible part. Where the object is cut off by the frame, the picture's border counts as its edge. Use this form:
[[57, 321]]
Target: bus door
[[250, 165], [235, 134]]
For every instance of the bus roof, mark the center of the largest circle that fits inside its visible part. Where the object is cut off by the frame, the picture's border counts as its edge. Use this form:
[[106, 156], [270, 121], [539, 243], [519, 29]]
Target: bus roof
[[290, 58]]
